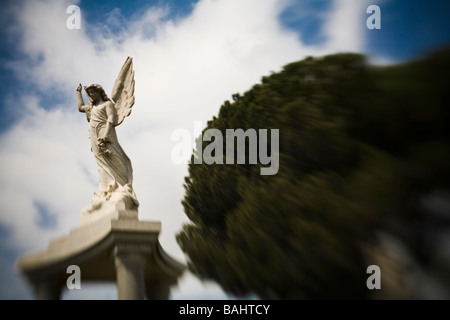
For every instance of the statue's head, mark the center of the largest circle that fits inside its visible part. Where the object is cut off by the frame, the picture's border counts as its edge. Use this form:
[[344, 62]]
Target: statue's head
[[95, 92]]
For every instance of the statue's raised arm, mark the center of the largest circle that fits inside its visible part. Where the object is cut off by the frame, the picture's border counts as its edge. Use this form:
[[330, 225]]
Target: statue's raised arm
[[116, 175]]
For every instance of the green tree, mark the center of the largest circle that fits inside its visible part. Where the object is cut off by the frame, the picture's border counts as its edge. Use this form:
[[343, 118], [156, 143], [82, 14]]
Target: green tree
[[361, 147]]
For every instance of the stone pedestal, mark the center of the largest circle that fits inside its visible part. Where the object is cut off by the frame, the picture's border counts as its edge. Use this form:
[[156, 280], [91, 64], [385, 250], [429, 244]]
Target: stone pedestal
[[125, 251]]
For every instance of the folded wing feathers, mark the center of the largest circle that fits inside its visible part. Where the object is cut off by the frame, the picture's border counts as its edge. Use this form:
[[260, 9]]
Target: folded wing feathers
[[123, 91]]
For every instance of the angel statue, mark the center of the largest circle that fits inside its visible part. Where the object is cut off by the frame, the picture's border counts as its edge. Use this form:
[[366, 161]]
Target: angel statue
[[103, 115]]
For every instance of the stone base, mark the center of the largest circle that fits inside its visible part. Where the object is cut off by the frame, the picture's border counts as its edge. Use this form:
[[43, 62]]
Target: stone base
[[117, 207], [124, 251]]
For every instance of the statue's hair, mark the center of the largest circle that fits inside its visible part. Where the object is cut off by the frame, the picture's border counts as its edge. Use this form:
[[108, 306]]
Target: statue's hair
[[98, 88]]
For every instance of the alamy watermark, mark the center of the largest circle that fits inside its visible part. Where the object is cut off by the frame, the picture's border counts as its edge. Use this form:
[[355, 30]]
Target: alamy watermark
[[374, 280], [74, 280], [213, 152], [74, 20], [374, 21]]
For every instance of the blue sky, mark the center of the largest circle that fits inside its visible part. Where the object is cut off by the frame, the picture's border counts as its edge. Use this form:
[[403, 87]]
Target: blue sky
[[189, 57]]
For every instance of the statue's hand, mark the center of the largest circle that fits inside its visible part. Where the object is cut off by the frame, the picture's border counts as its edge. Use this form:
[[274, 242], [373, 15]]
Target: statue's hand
[[103, 139], [101, 142], [79, 87]]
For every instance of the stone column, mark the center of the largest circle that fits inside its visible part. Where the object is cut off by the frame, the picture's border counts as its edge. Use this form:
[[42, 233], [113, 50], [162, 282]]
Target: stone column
[[47, 289], [129, 261], [157, 289]]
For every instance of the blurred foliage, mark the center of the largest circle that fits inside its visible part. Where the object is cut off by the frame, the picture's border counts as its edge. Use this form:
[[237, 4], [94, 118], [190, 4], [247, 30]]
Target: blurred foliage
[[360, 148]]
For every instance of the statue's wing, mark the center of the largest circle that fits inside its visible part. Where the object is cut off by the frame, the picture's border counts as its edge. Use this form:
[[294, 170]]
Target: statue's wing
[[123, 91]]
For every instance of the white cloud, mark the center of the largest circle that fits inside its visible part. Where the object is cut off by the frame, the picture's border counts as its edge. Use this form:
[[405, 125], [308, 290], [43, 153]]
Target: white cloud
[[40, 163], [345, 25], [185, 69]]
